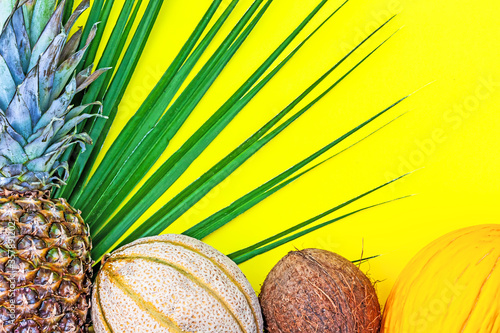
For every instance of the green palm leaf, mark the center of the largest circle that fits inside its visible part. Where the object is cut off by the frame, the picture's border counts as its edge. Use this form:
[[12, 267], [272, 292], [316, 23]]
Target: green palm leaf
[[274, 242], [178, 163], [149, 132]]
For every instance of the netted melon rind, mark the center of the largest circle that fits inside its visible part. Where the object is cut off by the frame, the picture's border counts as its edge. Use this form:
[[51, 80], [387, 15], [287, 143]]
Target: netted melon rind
[[185, 284]]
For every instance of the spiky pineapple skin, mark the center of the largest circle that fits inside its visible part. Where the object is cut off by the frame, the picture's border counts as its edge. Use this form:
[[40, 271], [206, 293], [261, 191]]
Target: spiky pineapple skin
[[45, 265]]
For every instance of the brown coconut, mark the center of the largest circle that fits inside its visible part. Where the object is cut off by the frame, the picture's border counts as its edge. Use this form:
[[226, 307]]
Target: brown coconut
[[319, 291]]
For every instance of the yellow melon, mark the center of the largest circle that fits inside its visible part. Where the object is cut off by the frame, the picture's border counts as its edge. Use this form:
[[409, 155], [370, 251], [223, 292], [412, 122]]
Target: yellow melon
[[173, 283], [451, 286]]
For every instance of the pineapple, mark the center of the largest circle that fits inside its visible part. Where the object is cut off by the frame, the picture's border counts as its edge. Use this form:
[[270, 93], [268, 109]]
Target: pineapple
[[45, 261]]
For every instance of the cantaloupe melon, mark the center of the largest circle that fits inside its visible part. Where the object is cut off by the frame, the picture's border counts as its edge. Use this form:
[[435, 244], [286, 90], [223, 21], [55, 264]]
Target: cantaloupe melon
[[451, 286], [173, 283]]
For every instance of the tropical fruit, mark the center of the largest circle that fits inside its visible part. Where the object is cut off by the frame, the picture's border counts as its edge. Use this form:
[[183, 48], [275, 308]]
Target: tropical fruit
[[452, 286], [45, 262], [173, 283], [318, 291]]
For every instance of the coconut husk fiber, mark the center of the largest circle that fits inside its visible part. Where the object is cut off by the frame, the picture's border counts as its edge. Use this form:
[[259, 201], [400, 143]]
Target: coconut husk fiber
[[319, 291]]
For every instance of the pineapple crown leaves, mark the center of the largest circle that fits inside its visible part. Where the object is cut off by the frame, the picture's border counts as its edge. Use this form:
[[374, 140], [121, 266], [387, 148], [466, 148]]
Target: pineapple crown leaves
[[38, 63]]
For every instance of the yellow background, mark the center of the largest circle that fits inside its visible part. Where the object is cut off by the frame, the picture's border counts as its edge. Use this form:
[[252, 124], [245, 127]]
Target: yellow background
[[450, 133]]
